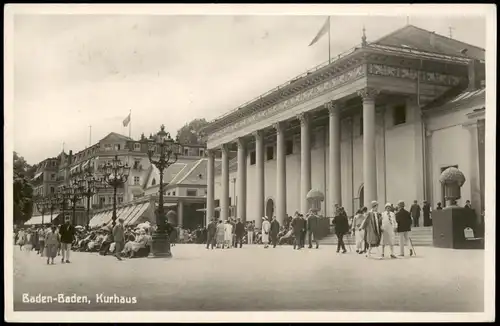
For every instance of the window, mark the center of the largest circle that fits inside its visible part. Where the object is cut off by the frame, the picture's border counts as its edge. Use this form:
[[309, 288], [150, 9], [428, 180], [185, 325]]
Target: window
[[270, 152], [202, 152], [191, 192], [107, 147], [53, 176], [110, 200], [168, 194], [137, 180], [361, 126], [137, 147], [186, 151], [398, 114], [252, 158], [289, 147], [120, 200], [153, 182], [52, 190], [117, 147], [137, 164], [102, 201], [173, 193]]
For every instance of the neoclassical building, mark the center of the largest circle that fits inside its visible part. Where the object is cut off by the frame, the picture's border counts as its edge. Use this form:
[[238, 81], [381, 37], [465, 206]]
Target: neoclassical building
[[378, 123]]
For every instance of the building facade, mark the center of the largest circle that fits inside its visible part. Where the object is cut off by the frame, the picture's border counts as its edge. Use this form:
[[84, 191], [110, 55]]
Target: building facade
[[379, 123]]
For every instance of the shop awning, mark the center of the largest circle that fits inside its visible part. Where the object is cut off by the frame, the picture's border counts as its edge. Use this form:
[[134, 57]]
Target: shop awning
[[133, 220], [37, 220]]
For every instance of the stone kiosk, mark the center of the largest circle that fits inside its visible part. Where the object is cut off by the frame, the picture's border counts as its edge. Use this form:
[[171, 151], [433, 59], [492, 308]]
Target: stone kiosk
[[454, 226]]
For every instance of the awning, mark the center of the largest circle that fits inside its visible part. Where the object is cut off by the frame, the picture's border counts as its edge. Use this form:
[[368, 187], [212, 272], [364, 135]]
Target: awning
[[36, 220], [74, 168], [85, 164], [166, 205], [138, 214]]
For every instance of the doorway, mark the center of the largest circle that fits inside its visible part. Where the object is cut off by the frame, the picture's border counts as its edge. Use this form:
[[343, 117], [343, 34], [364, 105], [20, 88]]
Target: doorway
[[270, 208]]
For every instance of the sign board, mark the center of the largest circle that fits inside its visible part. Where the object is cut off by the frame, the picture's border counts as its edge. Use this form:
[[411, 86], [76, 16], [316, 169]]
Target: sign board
[[468, 233]]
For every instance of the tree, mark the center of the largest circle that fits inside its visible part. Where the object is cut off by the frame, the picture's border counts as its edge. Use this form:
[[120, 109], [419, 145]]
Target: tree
[[190, 132], [23, 191]]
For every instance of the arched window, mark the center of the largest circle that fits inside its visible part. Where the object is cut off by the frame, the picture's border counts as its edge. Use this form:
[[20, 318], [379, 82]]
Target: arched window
[[153, 182]]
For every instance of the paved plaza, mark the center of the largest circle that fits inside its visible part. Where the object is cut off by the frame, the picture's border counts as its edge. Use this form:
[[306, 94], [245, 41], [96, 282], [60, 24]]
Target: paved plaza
[[258, 279]]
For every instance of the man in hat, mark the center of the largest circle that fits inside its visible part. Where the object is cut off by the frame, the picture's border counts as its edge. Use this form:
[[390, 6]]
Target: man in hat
[[313, 227], [415, 213], [426, 209], [275, 229], [67, 234], [239, 231], [211, 232], [119, 238], [403, 220], [298, 226]]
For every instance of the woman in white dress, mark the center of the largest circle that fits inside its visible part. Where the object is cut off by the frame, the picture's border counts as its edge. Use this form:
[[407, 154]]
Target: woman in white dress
[[228, 234], [387, 228], [266, 228], [359, 233]]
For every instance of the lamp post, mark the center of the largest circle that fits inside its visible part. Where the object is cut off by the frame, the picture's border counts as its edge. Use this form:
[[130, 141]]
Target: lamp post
[[63, 196], [165, 150], [90, 186], [52, 204], [75, 191], [41, 206], [115, 174]]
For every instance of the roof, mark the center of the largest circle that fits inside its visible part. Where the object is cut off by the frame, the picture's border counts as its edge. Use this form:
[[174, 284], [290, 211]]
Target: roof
[[471, 99], [421, 39], [117, 135], [168, 174], [233, 164]]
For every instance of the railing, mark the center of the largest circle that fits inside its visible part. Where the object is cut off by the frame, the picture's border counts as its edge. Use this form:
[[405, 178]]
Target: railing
[[308, 72]]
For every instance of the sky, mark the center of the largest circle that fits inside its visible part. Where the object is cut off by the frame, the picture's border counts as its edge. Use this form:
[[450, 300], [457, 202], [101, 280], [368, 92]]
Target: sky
[[75, 71]]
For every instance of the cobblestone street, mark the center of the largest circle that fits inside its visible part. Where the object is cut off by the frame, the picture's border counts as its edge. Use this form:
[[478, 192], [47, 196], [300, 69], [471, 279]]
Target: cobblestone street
[[258, 279]]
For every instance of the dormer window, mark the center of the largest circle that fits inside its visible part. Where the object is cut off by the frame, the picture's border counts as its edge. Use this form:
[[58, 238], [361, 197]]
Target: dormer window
[[153, 182], [137, 147]]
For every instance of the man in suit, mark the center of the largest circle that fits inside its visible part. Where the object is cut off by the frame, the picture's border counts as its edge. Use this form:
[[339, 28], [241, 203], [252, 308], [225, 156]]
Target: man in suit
[[426, 209], [239, 231], [341, 223], [275, 229], [304, 231], [119, 238], [211, 231], [67, 234], [403, 220], [312, 227], [297, 226], [415, 213]]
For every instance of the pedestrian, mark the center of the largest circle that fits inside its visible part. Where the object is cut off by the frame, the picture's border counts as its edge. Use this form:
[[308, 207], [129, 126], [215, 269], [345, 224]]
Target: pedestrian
[[51, 242], [21, 239], [275, 229], [415, 213], [297, 226], [303, 232], [403, 220], [439, 207], [388, 225], [426, 209], [211, 233], [250, 230], [371, 225], [341, 223], [228, 233], [41, 240], [67, 235], [266, 228], [358, 232], [239, 231], [28, 245], [119, 238], [313, 228], [220, 235]]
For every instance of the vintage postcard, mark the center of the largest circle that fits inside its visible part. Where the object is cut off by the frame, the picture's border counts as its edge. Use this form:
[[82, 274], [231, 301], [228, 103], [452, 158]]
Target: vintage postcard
[[249, 163]]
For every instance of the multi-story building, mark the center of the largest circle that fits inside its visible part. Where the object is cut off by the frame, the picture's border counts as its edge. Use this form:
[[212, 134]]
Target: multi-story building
[[378, 123]]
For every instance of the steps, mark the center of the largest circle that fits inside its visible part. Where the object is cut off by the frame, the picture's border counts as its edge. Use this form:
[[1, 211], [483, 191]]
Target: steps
[[420, 236]]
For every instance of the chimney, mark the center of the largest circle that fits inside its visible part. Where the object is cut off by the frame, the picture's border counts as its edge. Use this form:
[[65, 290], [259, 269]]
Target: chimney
[[433, 39], [475, 75], [70, 157]]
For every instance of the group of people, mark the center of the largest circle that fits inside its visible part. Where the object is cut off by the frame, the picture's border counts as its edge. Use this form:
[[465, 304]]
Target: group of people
[[373, 229]]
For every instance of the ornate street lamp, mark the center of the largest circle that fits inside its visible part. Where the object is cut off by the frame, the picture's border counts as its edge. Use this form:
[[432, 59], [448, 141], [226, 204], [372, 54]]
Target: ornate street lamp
[[51, 205], [165, 150], [41, 206], [90, 185], [115, 174], [75, 191], [63, 195]]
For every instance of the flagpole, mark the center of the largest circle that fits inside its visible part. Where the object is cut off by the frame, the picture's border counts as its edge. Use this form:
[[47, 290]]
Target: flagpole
[[329, 41], [130, 124]]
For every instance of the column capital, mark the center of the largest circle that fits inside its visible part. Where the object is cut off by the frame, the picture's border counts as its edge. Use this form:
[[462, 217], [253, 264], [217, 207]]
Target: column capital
[[210, 152], [304, 118], [258, 134], [368, 93], [333, 107], [279, 127], [241, 142]]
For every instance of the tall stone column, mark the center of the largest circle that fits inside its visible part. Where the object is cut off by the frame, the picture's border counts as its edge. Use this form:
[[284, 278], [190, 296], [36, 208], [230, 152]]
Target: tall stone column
[[305, 160], [334, 176], [180, 214], [224, 201], [369, 155], [281, 172], [242, 181], [210, 185], [473, 175], [259, 165]]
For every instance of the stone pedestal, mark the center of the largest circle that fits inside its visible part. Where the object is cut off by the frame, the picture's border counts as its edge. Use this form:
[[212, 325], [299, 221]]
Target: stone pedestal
[[160, 247], [448, 229]]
